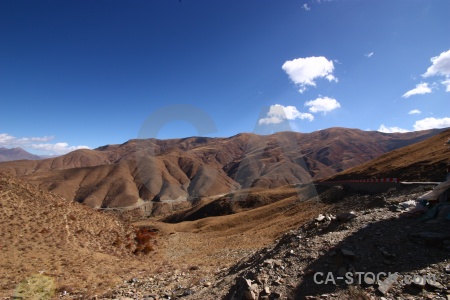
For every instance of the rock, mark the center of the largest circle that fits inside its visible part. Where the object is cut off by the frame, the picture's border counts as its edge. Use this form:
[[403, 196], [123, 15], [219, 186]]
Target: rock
[[276, 295], [277, 262], [268, 262], [320, 218], [348, 253], [342, 217], [207, 284], [429, 237], [434, 284], [267, 290], [250, 295], [261, 278], [279, 281], [419, 281], [388, 255], [447, 269], [385, 285]]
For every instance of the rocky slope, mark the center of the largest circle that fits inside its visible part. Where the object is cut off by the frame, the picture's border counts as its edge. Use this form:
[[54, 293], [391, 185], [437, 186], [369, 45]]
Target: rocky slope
[[353, 235]]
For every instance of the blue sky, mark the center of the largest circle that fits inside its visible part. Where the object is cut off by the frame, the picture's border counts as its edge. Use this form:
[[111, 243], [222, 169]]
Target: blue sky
[[90, 73]]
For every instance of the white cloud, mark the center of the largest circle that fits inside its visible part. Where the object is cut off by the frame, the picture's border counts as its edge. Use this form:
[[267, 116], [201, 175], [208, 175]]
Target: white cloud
[[440, 66], [306, 6], [38, 143], [369, 55], [57, 148], [393, 129], [324, 105], [304, 71], [447, 84], [421, 88], [414, 112], [430, 123], [278, 113], [10, 141]]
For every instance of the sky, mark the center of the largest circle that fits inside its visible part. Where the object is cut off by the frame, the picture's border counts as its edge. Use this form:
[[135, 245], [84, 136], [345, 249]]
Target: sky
[[82, 74]]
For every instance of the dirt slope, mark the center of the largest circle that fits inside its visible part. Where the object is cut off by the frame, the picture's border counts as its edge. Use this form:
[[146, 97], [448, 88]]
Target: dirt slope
[[63, 244]]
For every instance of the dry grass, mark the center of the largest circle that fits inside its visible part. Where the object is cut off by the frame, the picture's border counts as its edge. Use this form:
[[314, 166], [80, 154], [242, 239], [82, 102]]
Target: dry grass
[[45, 237], [53, 245]]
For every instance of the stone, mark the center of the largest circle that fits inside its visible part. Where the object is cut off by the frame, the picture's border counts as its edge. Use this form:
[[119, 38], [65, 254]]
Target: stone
[[250, 295], [276, 295], [385, 285], [261, 278], [447, 269], [348, 253], [388, 255], [320, 218], [434, 284], [342, 217], [277, 262], [429, 237], [267, 290], [419, 281], [268, 262]]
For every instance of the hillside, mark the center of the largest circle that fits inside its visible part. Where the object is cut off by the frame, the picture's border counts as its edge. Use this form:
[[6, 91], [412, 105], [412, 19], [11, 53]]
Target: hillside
[[423, 161], [61, 244], [270, 237], [140, 171]]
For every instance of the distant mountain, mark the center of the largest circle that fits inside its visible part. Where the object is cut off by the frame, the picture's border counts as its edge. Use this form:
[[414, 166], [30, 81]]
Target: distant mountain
[[423, 161], [16, 154], [140, 171]]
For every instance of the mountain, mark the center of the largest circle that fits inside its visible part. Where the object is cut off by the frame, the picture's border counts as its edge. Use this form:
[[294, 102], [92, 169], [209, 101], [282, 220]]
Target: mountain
[[423, 161], [152, 171], [16, 154]]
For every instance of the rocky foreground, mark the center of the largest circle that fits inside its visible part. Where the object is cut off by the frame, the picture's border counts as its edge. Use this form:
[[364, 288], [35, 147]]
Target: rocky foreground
[[338, 255]]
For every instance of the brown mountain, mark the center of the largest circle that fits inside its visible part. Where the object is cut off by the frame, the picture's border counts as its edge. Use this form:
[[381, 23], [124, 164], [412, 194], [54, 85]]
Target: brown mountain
[[16, 154], [138, 171], [422, 161]]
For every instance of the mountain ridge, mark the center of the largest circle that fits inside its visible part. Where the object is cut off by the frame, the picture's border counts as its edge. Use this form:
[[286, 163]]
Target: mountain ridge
[[17, 153], [152, 170]]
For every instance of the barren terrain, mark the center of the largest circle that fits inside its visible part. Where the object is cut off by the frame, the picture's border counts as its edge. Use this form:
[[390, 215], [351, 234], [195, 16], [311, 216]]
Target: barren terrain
[[147, 171], [253, 243]]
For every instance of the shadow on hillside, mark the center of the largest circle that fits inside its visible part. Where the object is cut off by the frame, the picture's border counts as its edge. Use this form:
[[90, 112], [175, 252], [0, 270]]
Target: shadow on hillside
[[384, 246]]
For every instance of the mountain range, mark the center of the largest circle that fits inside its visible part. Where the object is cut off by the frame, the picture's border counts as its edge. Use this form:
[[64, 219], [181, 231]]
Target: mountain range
[[151, 170], [16, 154]]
